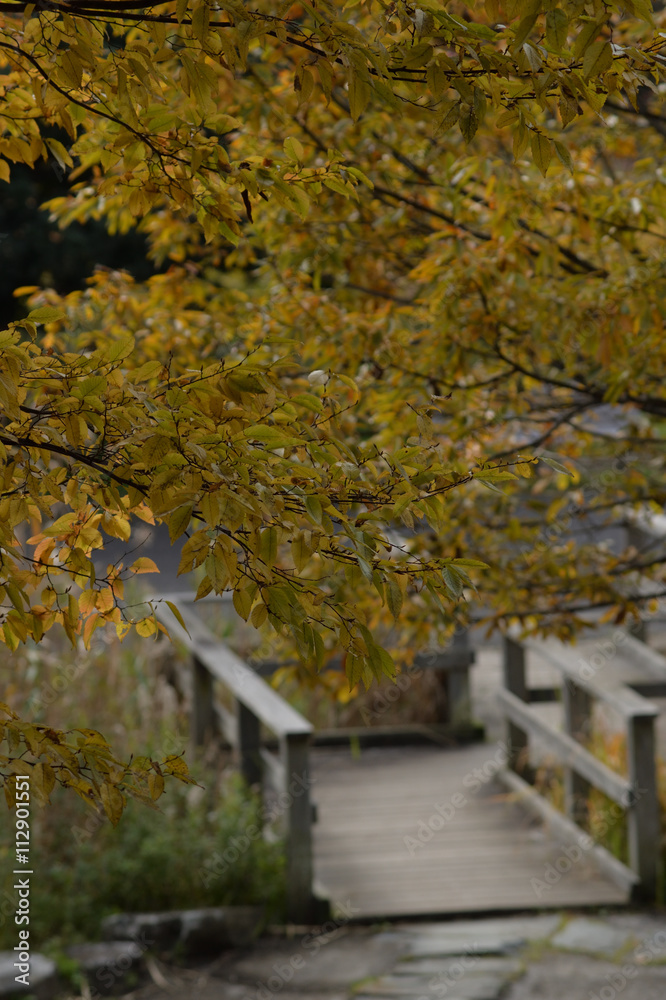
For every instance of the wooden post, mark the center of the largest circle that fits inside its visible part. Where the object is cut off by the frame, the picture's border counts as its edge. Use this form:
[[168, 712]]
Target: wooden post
[[643, 818], [638, 628], [249, 744], [577, 705], [514, 681], [459, 701], [459, 704], [203, 711], [298, 812]]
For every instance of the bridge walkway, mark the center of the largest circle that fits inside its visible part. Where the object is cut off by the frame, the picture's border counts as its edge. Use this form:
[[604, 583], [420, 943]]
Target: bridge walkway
[[416, 831]]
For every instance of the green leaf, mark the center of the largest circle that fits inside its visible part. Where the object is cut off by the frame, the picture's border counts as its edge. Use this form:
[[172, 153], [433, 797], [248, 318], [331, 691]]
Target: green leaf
[[177, 615], [46, 314], [294, 149], [268, 543], [598, 58], [557, 28], [469, 121], [179, 521], [314, 509], [228, 233], [360, 92], [453, 582], [271, 436], [113, 802], [242, 602], [524, 28], [447, 116], [542, 151], [394, 597], [300, 550], [557, 466], [489, 485], [564, 155], [494, 475]]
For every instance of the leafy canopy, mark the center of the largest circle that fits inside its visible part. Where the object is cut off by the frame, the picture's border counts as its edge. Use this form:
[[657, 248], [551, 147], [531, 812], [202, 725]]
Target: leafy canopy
[[415, 254]]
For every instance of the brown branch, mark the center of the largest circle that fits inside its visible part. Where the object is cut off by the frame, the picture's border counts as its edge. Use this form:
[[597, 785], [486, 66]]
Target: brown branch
[[74, 456]]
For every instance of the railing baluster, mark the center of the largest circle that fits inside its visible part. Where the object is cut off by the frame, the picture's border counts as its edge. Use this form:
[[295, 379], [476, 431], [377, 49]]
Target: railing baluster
[[203, 712], [249, 744], [514, 681], [294, 752], [643, 819], [577, 706]]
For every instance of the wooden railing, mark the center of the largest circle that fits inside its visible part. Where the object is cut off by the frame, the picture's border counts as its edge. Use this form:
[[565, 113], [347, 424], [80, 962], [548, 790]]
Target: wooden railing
[[636, 793], [285, 775]]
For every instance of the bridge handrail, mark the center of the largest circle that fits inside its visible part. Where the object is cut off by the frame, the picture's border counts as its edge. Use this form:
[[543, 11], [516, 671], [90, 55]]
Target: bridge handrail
[[256, 703], [637, 793]]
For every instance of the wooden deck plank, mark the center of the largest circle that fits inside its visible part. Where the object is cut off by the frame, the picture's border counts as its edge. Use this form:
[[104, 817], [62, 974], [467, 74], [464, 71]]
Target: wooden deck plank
[[484, 856]]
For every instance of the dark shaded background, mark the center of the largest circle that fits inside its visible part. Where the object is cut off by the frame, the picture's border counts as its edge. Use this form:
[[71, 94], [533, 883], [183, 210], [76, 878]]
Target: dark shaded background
[[34, 251]]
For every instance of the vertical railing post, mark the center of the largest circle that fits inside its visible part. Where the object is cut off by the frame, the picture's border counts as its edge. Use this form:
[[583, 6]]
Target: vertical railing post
[[515, 682], [459, 702], [203, 711], [249, 743], [458, 697], [577, 705], [643, 817], [298, 814]]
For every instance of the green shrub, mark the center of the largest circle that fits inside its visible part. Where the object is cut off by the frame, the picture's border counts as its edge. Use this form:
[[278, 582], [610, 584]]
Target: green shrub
[[84, 869]]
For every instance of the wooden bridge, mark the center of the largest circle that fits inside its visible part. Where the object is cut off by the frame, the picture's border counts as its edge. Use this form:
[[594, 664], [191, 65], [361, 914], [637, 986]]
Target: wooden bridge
[[434, 830]]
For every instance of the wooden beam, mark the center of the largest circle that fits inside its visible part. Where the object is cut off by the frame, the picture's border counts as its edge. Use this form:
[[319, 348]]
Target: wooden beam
[[273, 771], [568, 750], [203, 714], [577, 705], [564, 828], [249, 744], [616, 694], [515, 683], [643, 817], [241, 680], [298, 812]]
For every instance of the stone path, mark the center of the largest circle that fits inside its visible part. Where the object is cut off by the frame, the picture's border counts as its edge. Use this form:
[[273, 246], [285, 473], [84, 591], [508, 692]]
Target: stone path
[[561, 956]]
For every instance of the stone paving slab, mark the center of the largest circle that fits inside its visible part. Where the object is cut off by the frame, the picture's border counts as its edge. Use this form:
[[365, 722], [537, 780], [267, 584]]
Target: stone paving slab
[[470, 986], [553, 957], [215, 990], [449, 966], [42, 976], [648, 932], [484, 937], [335, 960], [578, 977], [594, 937]]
